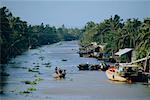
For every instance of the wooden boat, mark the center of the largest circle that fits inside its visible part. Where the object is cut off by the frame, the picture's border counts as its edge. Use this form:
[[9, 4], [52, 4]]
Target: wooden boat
[[83, 66], [112, 75], [59, 76], [102, 66], [95, 67], [123, 72]]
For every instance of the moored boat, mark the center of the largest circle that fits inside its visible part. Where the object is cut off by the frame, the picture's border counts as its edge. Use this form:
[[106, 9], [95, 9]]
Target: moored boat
[[124, 72], [102, 66], [83, 66], [113, 75]]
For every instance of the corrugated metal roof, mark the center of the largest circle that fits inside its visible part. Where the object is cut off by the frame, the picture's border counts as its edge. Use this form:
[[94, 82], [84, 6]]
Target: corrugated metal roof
[[123, 51]]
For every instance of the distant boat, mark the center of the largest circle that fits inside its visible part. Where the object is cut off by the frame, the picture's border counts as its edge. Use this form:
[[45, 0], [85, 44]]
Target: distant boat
[[64, 60], [102, 66], [123, 73], [83, 66]]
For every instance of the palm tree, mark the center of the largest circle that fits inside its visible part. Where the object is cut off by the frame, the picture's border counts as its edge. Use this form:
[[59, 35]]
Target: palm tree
[[128, 34], [143, 40]]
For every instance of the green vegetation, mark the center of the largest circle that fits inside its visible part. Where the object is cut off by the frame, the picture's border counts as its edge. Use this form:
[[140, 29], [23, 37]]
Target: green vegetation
[[16, 36], [116, 34], [33, 69], [30, 82], [34, 82], [29, 90]]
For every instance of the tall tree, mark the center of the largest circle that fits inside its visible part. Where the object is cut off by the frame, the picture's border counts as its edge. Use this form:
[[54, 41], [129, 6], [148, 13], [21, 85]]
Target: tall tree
[[143, 43]]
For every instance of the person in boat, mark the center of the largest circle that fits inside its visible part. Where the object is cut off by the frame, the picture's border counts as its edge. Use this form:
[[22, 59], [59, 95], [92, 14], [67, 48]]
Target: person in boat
[[64, 73], [56, 70], [60, 71]]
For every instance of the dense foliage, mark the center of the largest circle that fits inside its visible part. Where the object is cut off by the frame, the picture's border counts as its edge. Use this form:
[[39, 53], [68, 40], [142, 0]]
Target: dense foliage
[[16, 36], [116, 34]]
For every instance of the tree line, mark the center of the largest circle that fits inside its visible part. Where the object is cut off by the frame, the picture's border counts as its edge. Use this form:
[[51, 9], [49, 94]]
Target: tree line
[[118, 34], [16, 36]]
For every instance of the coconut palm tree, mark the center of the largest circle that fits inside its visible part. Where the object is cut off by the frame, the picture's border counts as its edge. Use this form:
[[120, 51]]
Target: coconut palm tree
[[143, 43], [128, 34]]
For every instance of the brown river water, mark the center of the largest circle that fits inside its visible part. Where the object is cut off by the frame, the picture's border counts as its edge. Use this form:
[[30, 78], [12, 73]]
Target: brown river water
[[78, 85]]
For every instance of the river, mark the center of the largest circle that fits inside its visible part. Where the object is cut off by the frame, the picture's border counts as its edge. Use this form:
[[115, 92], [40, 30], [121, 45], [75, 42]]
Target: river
[[78, 85]]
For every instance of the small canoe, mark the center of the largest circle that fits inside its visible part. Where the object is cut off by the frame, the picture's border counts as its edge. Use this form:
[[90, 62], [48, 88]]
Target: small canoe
[[58, 76], [83, 66]]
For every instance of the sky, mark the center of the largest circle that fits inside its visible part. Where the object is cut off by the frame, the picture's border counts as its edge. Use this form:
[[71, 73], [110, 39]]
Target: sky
[[77, 13]]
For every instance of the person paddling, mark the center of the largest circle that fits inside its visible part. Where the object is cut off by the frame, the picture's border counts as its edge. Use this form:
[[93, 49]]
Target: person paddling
[[56, 70], [60, 73], [63, 74]]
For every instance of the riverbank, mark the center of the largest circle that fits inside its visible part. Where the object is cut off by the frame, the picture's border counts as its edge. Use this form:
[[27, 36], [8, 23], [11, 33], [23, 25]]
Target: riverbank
[[78, 85]]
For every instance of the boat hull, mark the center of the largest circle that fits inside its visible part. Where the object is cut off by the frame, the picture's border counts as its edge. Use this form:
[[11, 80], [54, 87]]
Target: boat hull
[[115, 77], [58, 76]]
